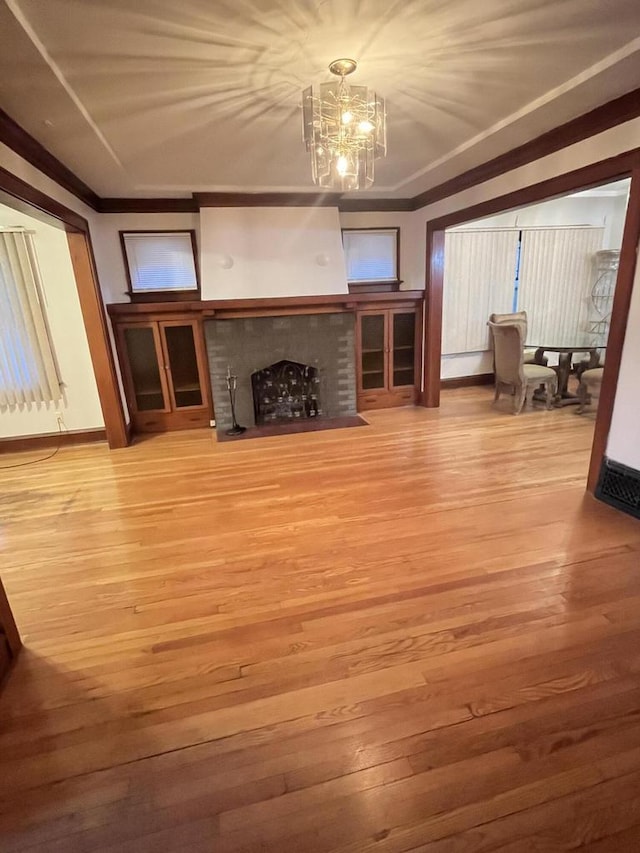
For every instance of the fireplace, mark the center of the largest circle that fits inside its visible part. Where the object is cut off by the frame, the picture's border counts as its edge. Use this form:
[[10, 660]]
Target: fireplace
[[310, 355], [285, 391]]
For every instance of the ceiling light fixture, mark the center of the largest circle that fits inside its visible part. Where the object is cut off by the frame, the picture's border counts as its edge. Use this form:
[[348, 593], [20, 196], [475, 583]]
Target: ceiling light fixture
[[345, 131]]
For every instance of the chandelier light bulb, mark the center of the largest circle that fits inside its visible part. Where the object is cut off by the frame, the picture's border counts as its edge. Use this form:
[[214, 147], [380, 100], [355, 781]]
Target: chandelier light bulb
[[342, 164], [346, 117], [365, 126]]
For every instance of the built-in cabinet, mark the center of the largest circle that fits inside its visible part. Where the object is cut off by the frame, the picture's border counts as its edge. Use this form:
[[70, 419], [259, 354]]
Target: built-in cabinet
[[387, 353], [165, 374], [162, 352]]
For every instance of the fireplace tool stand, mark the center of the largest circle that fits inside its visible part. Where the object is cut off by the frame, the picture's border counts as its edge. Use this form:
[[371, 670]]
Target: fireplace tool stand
[[232, 385]]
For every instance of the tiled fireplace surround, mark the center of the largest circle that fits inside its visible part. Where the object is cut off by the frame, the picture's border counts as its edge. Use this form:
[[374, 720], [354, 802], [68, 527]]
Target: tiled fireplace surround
[[324, 341]]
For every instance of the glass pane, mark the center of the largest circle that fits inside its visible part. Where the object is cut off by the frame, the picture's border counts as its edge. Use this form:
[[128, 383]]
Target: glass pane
[[372, 359], [181, 350], [373, 380], [372, 332], [404, 327], [145, 371]]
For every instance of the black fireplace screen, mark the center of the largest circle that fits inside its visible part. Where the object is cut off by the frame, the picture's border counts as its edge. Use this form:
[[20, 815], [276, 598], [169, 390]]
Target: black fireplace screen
[[285, 391]]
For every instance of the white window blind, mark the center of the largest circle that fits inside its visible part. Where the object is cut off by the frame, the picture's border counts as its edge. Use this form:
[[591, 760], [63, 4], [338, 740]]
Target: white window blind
[[556, 277], [371, 255], [28, 371], [160, 261], [479, 277]]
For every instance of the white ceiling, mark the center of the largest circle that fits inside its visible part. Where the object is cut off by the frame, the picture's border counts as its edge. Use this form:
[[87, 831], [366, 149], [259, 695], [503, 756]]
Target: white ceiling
[[162, 98]]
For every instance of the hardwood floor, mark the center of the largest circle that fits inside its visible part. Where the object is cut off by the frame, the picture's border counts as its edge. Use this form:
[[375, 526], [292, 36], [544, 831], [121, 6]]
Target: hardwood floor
[[418, 635]]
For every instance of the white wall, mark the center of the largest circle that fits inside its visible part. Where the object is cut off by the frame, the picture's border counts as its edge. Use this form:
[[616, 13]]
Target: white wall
[[271, 251], [624, 437], [606, 211], [108, 251], [80, 407]]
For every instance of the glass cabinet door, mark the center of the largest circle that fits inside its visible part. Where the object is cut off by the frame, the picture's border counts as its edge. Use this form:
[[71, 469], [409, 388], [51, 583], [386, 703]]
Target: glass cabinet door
[[182, 361], [143, 358], [403, 348], [372, 353]]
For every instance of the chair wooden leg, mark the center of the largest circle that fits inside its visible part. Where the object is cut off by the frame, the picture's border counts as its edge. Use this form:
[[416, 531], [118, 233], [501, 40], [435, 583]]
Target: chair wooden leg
[[551, 389], [496, 396], [583, 396], [518, 400]]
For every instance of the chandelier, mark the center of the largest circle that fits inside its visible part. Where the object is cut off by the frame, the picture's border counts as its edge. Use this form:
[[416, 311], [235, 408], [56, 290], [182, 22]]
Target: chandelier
[[345, 131]]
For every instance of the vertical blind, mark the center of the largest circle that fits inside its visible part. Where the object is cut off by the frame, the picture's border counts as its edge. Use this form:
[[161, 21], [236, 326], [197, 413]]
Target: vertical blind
[[28, 371], [555, 277], [556, 272], [479, 275], [160, 261]]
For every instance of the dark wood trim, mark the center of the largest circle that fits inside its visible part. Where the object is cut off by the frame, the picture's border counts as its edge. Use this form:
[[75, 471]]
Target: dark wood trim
[[27, 199], [467, 381], [611, 169], [100, 350], [433, 318], [608, 115], [17, 138], [8, 624], [19, 443], [267, 199], [617, 330], [161, 295], [601, 118], [147, 205], [374, 287], [267, 306], [375, 205]]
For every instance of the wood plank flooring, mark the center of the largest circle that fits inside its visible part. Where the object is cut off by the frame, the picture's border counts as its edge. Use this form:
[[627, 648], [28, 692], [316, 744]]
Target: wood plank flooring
[[420, 635]]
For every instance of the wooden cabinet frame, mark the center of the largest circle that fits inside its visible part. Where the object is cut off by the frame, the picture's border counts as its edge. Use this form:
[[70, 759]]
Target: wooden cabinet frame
[[171, 415], [391, 394]]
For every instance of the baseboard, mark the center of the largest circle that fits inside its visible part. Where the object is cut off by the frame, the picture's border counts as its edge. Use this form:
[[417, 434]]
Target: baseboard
[[619, 486], [51, 439], [467, 381]]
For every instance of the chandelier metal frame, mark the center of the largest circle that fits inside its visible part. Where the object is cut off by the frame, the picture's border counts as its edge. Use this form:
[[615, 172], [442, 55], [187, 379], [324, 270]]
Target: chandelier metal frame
[[345, 131]]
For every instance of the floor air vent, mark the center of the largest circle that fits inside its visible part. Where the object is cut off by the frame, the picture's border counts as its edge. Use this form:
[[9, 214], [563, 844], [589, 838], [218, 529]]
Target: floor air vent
[[619, 486]]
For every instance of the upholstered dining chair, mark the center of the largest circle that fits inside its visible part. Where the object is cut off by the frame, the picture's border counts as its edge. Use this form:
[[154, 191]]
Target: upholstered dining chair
[[589, 387], [519, 317], [513, 376]]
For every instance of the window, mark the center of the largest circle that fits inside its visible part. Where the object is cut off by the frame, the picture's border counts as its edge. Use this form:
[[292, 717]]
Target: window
[[161, 263], [28, 371], [372, 255]]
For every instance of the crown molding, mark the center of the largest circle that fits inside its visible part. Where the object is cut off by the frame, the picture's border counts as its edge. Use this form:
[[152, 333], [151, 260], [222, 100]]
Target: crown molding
[[267, 199], [622, 109], [16, 138], [147, 205], [608, 115]]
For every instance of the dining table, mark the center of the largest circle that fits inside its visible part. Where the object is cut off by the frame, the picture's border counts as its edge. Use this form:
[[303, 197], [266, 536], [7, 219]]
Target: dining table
[[564, 397]]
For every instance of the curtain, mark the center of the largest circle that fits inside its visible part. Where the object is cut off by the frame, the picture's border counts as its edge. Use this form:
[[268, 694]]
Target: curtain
[[556, 278], [479, 276], [28, 371]]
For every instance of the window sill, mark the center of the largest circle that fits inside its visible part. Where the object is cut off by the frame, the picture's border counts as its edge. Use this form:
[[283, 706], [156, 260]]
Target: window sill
[[374, 286], [166, 296]]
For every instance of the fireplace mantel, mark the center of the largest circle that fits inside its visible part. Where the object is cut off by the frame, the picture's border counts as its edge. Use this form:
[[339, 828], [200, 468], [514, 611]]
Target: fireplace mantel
[[221, 309]]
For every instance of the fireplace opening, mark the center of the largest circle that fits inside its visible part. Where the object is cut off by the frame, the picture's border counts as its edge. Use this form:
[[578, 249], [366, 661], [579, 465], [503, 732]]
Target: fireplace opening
[[284, 392]]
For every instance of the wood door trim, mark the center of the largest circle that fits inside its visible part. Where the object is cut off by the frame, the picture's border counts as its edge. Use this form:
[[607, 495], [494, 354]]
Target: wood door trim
[[613, 168], [201, 365], [617, 329], [8, 623], [95, 323]]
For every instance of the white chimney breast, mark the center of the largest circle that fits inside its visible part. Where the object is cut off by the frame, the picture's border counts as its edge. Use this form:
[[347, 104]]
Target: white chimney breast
[[251, 252]]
